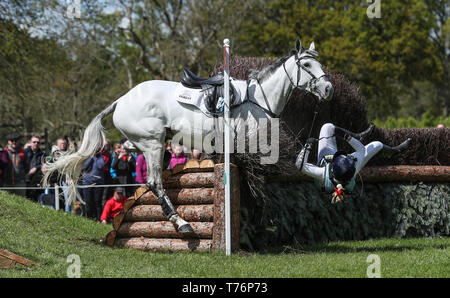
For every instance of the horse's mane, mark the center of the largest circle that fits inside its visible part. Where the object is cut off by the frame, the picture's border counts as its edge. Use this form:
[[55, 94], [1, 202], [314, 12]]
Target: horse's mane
[[261, 75]]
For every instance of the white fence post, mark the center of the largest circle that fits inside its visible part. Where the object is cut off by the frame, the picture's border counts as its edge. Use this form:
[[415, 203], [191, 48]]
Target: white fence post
[[226, 53], [56, 197]]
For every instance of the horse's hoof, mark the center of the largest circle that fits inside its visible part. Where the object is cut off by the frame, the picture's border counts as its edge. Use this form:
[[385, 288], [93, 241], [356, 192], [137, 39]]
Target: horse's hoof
[[186, 230]]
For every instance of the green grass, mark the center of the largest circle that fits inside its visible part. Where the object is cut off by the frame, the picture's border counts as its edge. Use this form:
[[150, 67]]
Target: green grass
[[48, 237]]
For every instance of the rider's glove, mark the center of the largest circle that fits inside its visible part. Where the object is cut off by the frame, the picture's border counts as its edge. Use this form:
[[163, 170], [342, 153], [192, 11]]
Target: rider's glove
[[309, 143]]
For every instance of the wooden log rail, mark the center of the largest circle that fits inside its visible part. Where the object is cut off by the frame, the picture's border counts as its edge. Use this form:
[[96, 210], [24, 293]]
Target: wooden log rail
[[197, 192], [406, 174], [189, 213], [184, 196], [385, 174], [164, 244], [190, 180], [10, 260], [162, 229]]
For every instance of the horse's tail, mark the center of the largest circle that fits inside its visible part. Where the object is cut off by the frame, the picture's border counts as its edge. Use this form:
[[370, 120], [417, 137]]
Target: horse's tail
[[70, 165]]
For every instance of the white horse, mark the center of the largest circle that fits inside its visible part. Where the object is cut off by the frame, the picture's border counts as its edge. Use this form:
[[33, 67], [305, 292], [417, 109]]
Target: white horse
[[150, 111]]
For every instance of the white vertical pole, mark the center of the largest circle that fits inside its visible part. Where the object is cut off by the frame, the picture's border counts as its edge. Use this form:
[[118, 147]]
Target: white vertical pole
[[56, 197], [227, 176]]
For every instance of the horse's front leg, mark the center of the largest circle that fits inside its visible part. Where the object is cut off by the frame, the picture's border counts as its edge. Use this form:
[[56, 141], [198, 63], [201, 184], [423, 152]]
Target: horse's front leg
[[169, 210], [154, 158]]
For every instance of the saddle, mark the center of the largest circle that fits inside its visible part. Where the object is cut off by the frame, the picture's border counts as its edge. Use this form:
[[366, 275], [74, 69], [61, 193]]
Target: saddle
[[190, 80], [212, 88]]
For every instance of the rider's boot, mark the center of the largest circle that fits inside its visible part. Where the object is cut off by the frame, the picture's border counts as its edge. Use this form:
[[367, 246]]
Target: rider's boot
[[339, 131], [398, 148]]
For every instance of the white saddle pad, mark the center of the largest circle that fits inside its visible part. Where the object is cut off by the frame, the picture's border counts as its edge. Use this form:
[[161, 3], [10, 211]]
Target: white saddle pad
[[195, 97]]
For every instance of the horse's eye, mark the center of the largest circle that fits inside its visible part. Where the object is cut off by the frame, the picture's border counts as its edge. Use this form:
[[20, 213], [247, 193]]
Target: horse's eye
[[307, 64]]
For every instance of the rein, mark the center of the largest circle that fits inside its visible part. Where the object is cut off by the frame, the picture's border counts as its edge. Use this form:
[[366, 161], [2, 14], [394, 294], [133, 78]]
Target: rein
[[314, 79], [309, 135]]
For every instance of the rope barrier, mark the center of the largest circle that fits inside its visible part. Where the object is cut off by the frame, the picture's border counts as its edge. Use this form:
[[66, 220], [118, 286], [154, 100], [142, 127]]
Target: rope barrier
[[59, 188], [78, 186]]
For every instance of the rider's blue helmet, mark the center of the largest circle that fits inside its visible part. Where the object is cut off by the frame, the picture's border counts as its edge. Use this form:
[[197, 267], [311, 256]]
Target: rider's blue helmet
[[344, 167]]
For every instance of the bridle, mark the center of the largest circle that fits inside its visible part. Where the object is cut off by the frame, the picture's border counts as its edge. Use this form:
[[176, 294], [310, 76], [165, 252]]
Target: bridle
[[310, 54]]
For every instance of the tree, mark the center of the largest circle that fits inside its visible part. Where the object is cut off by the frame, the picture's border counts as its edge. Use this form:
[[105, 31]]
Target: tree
[[90, 61], [384, 56], [156, 39], [26, 64], [46, 84], [440, 36]]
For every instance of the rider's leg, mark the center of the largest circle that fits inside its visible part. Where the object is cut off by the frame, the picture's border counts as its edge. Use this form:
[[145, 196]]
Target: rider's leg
[[363, 156], [359, 136], [373, 148], [398, 148], [327, 141]]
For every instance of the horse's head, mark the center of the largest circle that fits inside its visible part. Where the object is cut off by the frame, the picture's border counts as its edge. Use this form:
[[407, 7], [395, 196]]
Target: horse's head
[[308, 74]]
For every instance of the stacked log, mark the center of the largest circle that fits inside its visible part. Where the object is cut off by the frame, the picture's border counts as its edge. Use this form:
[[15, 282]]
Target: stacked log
[[196, 192]]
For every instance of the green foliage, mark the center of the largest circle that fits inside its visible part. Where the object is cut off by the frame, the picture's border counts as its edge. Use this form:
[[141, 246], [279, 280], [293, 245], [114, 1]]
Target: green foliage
[[426, 121], [47, 85], [26, 65], [384, 56]]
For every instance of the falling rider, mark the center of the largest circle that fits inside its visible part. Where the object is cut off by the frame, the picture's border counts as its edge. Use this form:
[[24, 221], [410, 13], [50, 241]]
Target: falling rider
[[336, 170]]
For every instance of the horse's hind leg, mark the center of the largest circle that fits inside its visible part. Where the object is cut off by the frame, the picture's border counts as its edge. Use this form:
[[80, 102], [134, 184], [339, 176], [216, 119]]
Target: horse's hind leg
[[154, 154]]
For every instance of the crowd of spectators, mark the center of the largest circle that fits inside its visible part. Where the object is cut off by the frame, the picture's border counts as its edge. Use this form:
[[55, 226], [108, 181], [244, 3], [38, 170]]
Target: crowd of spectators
[[23, 167]]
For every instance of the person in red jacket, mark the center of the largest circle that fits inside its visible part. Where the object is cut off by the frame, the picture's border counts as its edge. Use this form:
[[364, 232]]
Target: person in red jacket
[[113, 206]]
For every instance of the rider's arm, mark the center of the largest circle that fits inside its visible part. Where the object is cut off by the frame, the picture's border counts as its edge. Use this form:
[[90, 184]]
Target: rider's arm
[[313, 171], [307, 168]]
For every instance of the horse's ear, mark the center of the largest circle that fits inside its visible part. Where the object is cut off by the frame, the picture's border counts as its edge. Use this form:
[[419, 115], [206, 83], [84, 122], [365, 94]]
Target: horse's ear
[[312, 47], [298, 45]]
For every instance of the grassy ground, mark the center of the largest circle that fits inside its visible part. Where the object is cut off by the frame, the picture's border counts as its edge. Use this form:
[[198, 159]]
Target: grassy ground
[[48, 237]]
